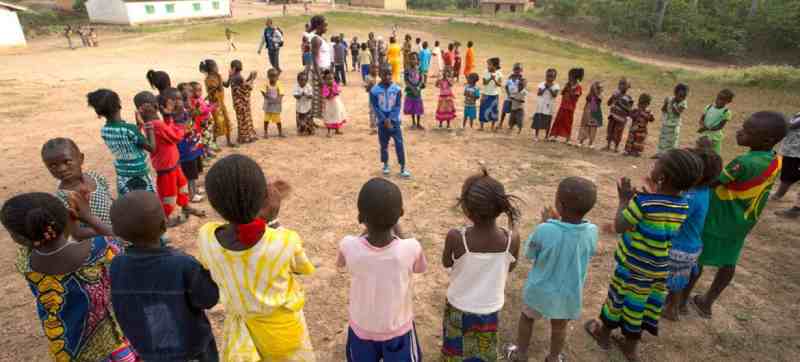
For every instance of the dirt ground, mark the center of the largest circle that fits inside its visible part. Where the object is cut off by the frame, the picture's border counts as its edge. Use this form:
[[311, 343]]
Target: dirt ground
[[42, 95]]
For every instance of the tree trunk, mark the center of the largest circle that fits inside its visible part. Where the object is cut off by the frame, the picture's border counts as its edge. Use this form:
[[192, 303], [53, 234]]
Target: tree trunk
[[661, 11], [753, 9]]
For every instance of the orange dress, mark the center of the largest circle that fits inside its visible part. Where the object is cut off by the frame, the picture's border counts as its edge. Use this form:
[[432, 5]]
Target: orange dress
[[469, 62]]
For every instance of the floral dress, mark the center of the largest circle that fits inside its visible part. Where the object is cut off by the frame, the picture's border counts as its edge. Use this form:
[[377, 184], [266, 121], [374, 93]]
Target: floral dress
[[240, 90], [333, 112], [216, 96], [446, 109]]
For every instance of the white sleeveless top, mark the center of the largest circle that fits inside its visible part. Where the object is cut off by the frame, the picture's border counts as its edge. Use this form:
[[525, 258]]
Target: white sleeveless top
[[325, 55], [478, 280]]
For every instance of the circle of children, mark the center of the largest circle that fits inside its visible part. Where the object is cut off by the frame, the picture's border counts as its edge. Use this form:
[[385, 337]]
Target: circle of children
[[107, 288]]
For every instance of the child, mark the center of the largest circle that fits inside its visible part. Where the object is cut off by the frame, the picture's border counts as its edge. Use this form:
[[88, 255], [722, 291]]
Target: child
[[339, 61], [687, 245], [714, 119], [237, 252], [406, 50], [93, 37], [621, 106], [740, 195], [492, 81], [189, 147], [365, 59], [125, 142], [448, 57], [229, 36], [216, 97], [69, 279], [646, 222], [511, 86], [413, 105], [592, 117], [481, 256], [438, 58], [334, 113], [240, 92], [304, 95], [517, 116], [637, 133], [150, 282], [158, 80], [381, 266], [547, 93], [671, 124], [273, 98], [418, 45], [562, 127], [202, 111], [456, 62], [445, 109], [68, 34], [471, 95], [354, 51], [64, 160], [424, 62], [385, 99], [790, 169], [369, 82], [561, 248], [469, 60]]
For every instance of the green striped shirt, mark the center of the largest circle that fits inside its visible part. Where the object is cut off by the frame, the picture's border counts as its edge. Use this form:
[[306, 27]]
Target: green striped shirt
[[126, 143]]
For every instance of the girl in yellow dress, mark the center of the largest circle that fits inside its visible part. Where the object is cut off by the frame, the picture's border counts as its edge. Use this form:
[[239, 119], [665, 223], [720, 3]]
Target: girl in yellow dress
[[255, 265], [216, 96], [394, 58]]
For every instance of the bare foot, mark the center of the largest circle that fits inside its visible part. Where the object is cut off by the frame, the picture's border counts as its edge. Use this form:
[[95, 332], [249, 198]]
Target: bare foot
[[593, 328]]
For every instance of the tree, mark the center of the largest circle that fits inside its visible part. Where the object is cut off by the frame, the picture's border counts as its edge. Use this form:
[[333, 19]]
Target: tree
[[661, 11], [753, 9]]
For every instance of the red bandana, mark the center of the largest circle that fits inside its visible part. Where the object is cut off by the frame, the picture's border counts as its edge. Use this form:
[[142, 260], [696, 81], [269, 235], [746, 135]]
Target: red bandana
[[250, 234]]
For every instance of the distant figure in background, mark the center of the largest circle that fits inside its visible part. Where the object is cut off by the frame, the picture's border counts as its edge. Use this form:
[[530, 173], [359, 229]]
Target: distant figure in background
[[82, 32], [285, 10], [92, 37], [67, 33], [229, 36], [272, 39]]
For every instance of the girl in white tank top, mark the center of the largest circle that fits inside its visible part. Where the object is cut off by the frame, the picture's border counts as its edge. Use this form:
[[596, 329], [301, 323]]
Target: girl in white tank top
[[481, 257]]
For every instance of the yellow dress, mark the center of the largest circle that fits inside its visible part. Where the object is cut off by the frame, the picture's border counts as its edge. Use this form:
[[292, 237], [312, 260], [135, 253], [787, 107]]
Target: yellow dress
[[394, 57], [263, 298], [216, 96]]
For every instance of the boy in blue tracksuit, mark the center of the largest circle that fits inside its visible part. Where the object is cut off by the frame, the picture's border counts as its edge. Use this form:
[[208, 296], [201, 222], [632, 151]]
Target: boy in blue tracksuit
[[385, 99]]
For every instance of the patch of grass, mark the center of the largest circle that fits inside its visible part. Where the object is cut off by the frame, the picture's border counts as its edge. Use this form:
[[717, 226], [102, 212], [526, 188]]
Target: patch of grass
[[44, 21], [767, 76]]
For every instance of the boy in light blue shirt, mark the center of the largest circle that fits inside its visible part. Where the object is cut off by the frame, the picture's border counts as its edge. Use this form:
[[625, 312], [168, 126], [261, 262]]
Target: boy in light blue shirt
[[385, 99], [561, 248], [424, 62]]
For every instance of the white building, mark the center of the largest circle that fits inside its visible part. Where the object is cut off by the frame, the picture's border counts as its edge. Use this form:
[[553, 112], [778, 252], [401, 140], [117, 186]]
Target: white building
[[11, 34], [133, 12]]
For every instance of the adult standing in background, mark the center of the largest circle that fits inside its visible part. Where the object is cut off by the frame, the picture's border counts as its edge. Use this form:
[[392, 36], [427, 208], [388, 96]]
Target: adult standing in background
[[273, 39], [372, 45], [321, 59]]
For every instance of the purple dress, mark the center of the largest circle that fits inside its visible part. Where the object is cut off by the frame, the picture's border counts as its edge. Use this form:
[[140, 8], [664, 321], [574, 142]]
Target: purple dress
[[413, 104]]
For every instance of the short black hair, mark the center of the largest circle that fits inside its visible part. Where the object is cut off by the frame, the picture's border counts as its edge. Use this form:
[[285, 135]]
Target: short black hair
[[727, 94], [576, 73], [380, 204], [167, 94], [315, 21], [58, 144], [35, 216], [495, 62], [484, 198], [425, 45], [470, 44], [772, 126], [682, 168], [473, 77], [236, 65], [138, 217], [158, 79], [712, 165], [577, 194], [237, 188], [208, 66], [144, 97], [682, 88], [105, 102], [645, 98]]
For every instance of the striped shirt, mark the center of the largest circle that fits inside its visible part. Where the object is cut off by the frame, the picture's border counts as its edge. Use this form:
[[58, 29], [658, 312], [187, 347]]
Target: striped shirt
[[126, 142], [656, 220]]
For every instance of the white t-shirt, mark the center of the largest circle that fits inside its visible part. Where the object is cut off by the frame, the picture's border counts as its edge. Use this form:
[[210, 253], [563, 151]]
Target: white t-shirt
[[306, 94], [492, 89], [325, 55], [546, 102]]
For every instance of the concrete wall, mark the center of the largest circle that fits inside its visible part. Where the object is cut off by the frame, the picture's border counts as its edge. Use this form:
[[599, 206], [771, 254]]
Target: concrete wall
[[381, 4], [119, 12], [11, 34]]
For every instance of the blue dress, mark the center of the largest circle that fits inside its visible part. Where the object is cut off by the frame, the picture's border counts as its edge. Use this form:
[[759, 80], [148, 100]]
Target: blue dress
[[688, 244]]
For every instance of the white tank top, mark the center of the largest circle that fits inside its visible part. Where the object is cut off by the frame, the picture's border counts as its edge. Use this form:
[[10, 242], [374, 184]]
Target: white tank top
[[478, 280], [325, 55]]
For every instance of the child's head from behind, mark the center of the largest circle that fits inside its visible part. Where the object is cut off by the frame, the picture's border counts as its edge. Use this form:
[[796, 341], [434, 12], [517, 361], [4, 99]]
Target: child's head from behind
[[576, 75], [681, 91], [576, 196], [237, 188], [470, 44], [436, 43], [724, 97], [425, 45], [392, 40], [493, 64], [138, 217], [236, 66], [363, 46], [273, 75], [451, 46], [146, 104], [380, 204], [675, 171], [483, 199], [34, 219], [550, 75], [762, 131], [209, 66], [473, 78], [644, 101], [105, 102], [302, 79], [63, 159], [158, 79], [712, 165], [623, 85]]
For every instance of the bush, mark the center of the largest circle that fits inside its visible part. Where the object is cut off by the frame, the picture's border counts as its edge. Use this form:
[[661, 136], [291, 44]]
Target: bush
[[563, 8]]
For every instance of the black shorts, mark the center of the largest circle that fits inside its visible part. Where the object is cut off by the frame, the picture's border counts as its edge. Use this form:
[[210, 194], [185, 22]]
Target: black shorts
[[191, 169], [790, 172]]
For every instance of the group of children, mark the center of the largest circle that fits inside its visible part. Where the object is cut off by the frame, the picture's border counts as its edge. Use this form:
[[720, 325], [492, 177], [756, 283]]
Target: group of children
[[86, 33]]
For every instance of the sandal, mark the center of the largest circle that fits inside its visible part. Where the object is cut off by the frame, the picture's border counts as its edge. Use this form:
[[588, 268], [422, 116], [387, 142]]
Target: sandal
[[591, 327], [619, 342], [700, 312]]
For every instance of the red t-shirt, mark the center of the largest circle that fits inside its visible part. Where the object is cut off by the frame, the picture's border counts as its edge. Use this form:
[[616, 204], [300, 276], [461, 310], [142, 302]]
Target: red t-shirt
[[168, 135]]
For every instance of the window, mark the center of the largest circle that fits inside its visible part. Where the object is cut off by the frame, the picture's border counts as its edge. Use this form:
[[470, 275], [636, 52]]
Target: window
[[150, 9], [196, 6], [215, 5], [170, 8]]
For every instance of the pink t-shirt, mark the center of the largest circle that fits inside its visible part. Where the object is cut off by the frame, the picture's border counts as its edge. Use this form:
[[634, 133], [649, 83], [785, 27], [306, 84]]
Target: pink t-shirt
[[381, 289]]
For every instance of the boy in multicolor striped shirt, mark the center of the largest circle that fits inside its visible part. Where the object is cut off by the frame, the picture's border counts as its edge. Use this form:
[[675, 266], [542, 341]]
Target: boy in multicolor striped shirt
[[737, 200], [647, 223]]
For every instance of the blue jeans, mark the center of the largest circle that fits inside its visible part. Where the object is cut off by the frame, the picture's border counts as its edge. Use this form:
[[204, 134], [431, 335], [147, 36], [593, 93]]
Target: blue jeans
[[384, 135]]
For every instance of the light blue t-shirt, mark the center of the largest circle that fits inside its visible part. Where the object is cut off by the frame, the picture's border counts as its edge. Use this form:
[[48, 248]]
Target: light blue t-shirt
[[561, 253], [689, 238], [424, 60]]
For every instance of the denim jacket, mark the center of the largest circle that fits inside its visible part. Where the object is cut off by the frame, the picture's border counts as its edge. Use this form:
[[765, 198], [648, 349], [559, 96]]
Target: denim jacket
[[159, 297], [385, 100]]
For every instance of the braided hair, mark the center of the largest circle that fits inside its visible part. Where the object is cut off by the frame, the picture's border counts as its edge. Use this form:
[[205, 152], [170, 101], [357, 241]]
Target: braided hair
[[38, 217], [682, 168], [237, 188], [712, 165], [105, 102], [58, 144], [209, 66], [484, 198], [158, 79]]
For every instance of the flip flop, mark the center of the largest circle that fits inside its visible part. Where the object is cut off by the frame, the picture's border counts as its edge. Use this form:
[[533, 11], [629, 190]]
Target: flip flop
[[693, 302], [591, 327], [619, 342]]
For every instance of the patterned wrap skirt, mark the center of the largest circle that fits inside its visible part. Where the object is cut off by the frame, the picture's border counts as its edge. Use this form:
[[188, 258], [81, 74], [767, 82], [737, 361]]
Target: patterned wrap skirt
[[468, 336], [634, 303], [489, 108], [317, 104], [682, 266], [446, 109], [670, 135]]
